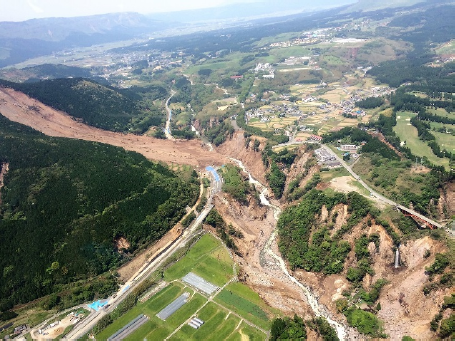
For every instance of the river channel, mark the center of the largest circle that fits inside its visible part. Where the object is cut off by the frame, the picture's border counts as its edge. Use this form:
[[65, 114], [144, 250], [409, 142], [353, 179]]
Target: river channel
[[318, 309]]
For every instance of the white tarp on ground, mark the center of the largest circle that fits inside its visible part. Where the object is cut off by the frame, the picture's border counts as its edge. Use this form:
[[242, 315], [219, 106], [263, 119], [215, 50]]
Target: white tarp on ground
[[174, 306], [200, 283]]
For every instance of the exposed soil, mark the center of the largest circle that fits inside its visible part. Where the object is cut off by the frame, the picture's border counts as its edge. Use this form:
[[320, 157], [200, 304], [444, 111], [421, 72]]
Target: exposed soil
[[18, 107], [235, 148], [130, 268], [3, 171], [122, 243], [55, 331], [404, 307], [258, 270], [420, 170], [343, 184], [405, 310], [447, 200]]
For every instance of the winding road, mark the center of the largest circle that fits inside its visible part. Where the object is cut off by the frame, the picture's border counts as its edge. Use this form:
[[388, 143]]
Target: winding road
[[376, 194], [167, 130]]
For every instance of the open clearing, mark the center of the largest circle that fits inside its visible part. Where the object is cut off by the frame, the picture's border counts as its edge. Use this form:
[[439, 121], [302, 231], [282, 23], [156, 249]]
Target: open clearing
[[446, 141], [225, 318], [407, 132]]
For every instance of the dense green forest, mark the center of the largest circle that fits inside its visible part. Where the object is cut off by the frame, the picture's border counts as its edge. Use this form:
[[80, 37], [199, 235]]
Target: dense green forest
[[98, 105], [322, 252], [235, 183], [65, 203]]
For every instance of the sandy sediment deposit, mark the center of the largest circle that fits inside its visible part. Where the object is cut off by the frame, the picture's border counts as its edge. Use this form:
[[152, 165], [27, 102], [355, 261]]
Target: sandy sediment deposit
[[18, 107]]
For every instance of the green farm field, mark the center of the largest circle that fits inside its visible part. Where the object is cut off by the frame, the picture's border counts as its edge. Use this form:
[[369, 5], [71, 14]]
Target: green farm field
[[246, 303], [407, 132], [207, 258], [149, 308], [218, 325]]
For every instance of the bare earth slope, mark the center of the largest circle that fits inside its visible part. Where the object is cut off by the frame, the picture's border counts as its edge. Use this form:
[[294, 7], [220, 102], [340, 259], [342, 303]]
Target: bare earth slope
[[18, 107], [235, 148]]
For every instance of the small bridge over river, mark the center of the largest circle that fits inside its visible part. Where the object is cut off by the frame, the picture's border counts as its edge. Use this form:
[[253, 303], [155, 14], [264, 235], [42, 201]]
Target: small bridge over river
[[420, 219]]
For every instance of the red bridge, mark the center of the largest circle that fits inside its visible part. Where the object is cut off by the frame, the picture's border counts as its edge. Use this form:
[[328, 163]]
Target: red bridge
[[420, 219]]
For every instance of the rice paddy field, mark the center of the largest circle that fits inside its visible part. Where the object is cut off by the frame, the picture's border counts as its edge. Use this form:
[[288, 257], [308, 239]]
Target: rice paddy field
[[235, 313]]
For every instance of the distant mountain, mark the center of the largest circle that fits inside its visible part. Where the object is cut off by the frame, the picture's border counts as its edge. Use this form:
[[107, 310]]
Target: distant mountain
[[58, 29], [248, 10], [373, 5], [20, 41]]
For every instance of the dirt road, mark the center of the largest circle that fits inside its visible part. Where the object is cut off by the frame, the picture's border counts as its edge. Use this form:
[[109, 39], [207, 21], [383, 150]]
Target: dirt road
[[18, 107]]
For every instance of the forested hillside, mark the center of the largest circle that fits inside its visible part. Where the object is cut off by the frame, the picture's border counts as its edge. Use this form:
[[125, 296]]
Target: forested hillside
[[95, 104], [65, 203]]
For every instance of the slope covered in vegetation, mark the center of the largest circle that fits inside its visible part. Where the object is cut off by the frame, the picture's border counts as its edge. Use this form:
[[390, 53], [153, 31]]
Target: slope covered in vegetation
[[66, 202], [95, 104]]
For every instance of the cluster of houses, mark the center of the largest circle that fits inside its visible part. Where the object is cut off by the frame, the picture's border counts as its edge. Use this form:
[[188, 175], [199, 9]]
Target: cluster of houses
[[265, 68], [122, 64], [265, 115], [296, 60], [310, 37], [347, 107], [320, 35], [326, 158]]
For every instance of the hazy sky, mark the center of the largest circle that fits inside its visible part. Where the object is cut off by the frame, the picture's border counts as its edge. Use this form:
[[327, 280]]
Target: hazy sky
[[19, 10]]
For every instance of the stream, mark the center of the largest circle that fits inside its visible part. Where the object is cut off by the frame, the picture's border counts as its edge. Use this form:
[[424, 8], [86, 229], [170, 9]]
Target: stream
[[319, 310]]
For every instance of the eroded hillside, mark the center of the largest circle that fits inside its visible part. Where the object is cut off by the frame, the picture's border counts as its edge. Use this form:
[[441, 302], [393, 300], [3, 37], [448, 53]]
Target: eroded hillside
[[343, 246]]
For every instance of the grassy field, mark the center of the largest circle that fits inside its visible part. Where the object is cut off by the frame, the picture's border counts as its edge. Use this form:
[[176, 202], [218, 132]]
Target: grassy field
[[226, 65], [245, 302], [277, 38], [446, 141], [149, 308], [218, 325], [441, 112], [326, 176], [333, 60], [279, 54], [407, 132], [207, 258], [446, 48]]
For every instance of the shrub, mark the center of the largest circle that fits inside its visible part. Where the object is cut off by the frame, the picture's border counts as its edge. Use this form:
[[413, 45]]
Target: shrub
[[365, 322], [440, 263]]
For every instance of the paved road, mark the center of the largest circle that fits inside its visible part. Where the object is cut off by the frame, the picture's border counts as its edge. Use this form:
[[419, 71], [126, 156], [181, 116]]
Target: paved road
[[167, 130], [91, 320], [376, 194]]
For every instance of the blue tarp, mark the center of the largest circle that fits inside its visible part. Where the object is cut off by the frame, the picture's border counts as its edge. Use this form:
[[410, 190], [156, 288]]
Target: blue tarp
[[97, 305], [213, 171]]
